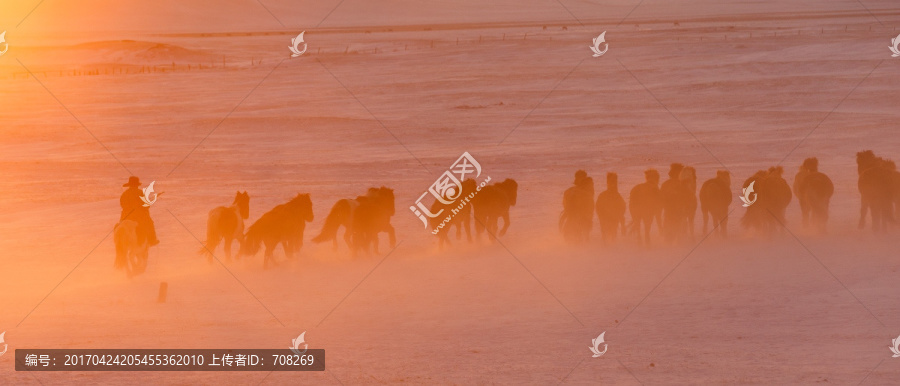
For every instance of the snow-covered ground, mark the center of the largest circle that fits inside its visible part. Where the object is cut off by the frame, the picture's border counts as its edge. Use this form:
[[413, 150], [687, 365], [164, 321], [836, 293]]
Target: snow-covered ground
[[391, 93]]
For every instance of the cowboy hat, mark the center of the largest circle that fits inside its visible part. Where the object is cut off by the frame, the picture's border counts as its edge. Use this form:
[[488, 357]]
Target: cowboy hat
[[132, 181]]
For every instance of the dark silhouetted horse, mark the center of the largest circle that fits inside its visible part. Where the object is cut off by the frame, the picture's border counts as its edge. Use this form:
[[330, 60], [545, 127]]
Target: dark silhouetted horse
[[226, 223], [283, 225], [577, 217], [491, 203], [371, 217], [460, 212], [362, 218], [813, 190], [773, 197], [715, 198], [645, 204], [876, 188], [688, 178], [672, 193], [611, 209]]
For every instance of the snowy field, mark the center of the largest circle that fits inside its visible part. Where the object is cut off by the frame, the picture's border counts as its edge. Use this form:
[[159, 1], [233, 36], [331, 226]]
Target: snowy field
[[391, 93]]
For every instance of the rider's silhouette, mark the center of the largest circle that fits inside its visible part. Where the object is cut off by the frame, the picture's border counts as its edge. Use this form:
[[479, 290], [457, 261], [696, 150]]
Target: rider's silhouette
[[133, 209]]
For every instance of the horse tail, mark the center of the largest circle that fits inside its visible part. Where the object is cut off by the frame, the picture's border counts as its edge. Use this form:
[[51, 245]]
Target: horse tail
[[251, 243], [339, 214]]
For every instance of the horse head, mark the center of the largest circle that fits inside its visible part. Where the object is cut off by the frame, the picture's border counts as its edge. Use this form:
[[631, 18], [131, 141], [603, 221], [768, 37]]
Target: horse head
[[242, 200], [511, 188], [811, 164], [387, 196], [652, 176], [865, 160], [304, 206], [724, 176]]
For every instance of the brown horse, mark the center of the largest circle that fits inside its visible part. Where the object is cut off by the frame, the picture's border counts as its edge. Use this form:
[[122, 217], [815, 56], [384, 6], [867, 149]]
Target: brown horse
[[492, 203], [226, 223], [645, 204], [577, 217], [362, 218], [283, 225], [688, 178], [876, 188], [131, 255], [813, 190], [611, 209], [672, 193], [715, 198], [459, 212], [371, 217], [773, 197]]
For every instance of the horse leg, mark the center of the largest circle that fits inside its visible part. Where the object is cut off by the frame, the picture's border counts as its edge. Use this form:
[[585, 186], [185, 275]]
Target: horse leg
[[647, 224], [374, 243], [468, 224], [348, 238], [270, 249], [392, 237], [864, 207], [227, 247], [505, 218], [705, 214]]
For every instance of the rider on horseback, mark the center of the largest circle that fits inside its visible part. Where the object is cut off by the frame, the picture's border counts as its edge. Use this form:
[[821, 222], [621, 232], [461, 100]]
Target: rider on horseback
[[133, 209]]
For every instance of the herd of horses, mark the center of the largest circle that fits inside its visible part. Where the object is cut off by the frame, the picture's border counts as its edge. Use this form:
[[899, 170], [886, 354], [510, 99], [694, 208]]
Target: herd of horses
[[362, 218], [672, 204]]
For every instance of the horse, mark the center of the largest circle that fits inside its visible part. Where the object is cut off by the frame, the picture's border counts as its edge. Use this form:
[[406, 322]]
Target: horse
[[459, 211], [813, 190], [773, 197], [576, 219], [283, 225], [715, 197], [491, 203], [645, 204], [688, 179], [371, 217], [876, 189], [131, 254], [362, 218], [226, 223], [673, 209], [610, 209]]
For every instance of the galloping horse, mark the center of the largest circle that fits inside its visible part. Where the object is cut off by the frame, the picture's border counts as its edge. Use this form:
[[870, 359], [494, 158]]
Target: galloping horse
[[226, 223], [491, 204], [362, 218], [283, 225]]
